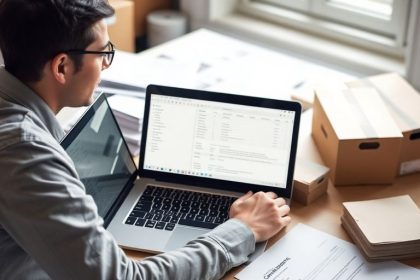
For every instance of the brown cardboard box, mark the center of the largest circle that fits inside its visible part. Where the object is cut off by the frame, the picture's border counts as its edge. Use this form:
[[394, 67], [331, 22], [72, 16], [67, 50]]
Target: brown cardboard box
[[121, 26], [403, 102], [356, 136], [310, 181], [142, 8]]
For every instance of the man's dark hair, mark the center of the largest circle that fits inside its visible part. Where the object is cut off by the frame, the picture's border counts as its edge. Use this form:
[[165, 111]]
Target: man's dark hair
[[33, 31]]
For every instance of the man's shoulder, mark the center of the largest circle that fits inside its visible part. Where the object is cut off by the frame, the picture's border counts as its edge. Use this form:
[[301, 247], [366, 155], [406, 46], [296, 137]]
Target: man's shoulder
[[11, 111], [17, 124]]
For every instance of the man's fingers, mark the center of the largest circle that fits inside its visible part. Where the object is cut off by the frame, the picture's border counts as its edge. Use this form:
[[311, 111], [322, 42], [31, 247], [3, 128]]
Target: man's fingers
[[286, 220], [244, 197], [280, 201], [271, 195], [284, 210]]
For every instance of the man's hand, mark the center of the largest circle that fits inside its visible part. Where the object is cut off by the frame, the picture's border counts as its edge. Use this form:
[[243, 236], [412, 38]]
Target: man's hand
[[264, 213]]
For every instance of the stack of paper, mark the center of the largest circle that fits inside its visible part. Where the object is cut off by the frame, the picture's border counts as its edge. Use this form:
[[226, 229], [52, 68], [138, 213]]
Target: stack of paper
[[129, 114], [384, 229]]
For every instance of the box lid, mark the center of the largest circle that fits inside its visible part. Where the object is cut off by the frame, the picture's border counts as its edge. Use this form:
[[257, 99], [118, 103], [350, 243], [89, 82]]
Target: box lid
[[308, 171], [357, 113], [399, 96]]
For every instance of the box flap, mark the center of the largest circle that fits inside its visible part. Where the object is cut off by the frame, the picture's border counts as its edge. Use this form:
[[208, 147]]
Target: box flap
[[357, 113], [400, 97]]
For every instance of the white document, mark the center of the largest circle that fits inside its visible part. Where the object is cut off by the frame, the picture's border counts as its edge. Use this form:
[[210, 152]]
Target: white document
[[309, 254]]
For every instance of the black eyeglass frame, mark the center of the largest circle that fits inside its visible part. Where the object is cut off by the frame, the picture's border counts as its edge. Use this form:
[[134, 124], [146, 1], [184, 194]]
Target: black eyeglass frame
[[111, 52]]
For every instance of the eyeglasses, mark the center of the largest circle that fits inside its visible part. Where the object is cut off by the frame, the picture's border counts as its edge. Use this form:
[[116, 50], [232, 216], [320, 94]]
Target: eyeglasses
[[108, 55]]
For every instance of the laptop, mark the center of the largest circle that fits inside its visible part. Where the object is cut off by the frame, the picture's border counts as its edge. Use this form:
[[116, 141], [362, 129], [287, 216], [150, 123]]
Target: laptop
[[199, 152]]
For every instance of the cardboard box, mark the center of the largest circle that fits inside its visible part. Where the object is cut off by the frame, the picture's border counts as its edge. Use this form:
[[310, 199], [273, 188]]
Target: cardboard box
[[356, 136], [403, 102], [142, 8], [308, 198], [310, 181], [121, 25]]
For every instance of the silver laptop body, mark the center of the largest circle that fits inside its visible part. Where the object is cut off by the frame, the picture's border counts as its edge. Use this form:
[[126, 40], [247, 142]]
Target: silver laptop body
[[211, 144]]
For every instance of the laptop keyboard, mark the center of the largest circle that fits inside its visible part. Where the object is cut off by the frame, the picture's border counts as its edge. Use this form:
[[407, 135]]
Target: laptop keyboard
[[163, 208]]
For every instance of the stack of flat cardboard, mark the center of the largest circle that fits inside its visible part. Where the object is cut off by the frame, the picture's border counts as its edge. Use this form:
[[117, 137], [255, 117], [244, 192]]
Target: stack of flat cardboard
[[384, 229]]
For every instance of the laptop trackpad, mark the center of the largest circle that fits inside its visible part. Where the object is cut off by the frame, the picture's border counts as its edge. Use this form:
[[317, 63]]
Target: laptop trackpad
[[181, 236]]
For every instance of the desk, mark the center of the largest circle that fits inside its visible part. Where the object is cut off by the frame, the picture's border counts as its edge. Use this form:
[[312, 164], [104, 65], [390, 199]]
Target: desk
[[324, 213]]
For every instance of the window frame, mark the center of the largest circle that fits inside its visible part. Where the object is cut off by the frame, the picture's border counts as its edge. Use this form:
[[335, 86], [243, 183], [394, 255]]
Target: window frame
[[309, 16], [393, 28], [301, 5]]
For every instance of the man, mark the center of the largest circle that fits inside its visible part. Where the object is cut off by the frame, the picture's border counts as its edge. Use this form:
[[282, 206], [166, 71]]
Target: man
[[54, 52]]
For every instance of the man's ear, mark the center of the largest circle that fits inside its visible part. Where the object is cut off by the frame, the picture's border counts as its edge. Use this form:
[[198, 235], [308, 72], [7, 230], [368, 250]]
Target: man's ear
[[61, 67]]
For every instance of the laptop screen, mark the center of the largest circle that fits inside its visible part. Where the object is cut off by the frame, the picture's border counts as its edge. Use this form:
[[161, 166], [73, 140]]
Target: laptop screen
[[229, 138], [100, 155], [219, 140]]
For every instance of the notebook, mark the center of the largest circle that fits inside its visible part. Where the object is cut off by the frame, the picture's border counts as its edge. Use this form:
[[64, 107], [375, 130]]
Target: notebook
[[199, 151]]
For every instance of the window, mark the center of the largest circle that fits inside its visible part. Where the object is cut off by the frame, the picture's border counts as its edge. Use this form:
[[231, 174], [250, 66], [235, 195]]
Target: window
[[376, 24]]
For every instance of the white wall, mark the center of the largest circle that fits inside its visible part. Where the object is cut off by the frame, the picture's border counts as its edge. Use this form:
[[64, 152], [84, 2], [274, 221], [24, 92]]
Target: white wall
[[1, 59]]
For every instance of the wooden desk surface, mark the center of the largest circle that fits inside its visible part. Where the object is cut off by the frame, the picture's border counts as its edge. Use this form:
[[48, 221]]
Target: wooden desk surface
[[324, 213]]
